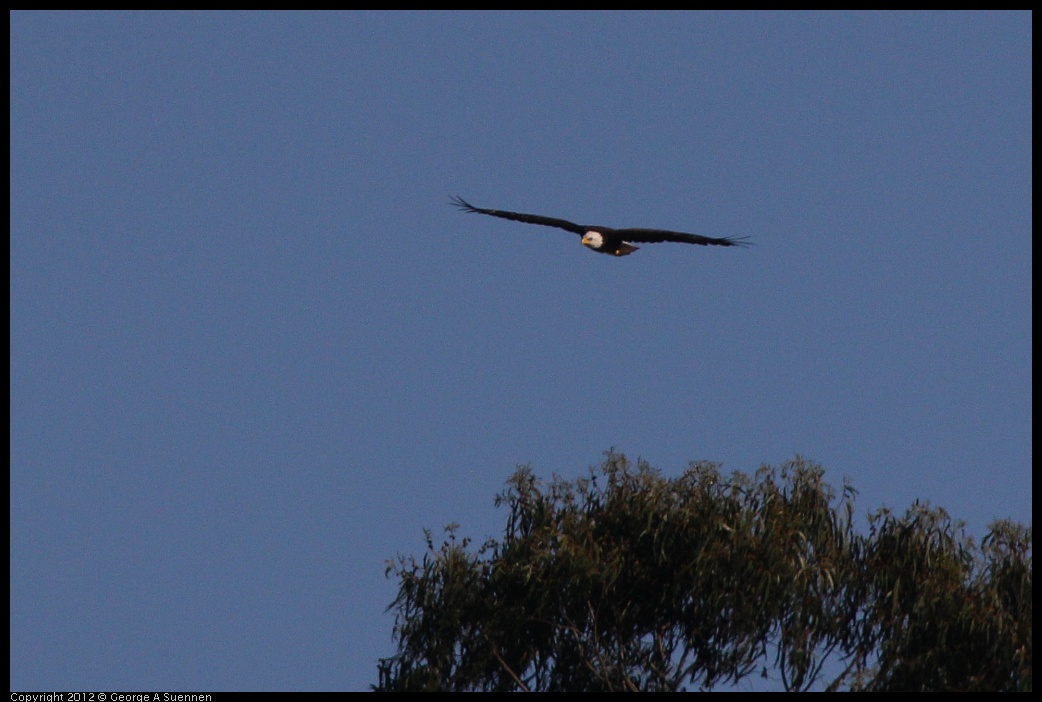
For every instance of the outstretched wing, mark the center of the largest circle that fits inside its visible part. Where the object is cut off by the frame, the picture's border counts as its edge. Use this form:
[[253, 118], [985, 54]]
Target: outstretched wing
[[521, 217], [654, 236]]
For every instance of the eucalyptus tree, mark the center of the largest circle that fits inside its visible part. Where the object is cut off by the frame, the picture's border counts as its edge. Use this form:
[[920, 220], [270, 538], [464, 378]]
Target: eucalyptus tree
[[629, 580]]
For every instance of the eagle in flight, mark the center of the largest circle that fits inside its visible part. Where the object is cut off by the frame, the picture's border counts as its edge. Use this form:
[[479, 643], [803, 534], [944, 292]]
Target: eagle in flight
[[604, 239]]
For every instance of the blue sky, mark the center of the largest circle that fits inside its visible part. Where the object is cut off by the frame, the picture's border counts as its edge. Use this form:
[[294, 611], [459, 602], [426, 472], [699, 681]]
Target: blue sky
[[254, 350]]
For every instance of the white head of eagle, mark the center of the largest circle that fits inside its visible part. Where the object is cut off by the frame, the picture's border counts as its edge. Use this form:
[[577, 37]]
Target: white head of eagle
[[616, 242], [597, 241]]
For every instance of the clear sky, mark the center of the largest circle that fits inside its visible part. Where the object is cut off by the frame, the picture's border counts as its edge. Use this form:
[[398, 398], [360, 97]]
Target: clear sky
[[255, 351]]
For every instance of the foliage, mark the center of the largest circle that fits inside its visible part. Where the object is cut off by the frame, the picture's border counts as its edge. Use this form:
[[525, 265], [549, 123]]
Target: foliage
[[627, 580]]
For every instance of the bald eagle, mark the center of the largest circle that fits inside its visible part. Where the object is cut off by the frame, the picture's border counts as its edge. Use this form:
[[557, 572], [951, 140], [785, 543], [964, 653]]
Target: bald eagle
[[604, 239]]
